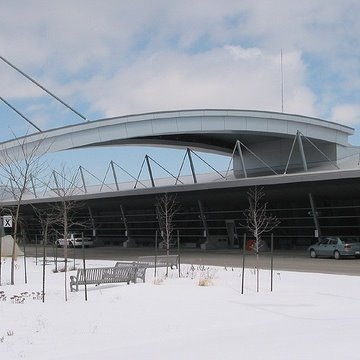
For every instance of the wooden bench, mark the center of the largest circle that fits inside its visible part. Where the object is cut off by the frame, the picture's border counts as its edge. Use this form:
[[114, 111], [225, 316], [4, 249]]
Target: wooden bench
[[104, 275], [161, 261]]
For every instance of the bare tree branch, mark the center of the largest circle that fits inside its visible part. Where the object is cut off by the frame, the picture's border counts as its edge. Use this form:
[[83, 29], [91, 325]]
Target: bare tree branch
[[258, 220], [67, 184], [166, 207], [16, 169]]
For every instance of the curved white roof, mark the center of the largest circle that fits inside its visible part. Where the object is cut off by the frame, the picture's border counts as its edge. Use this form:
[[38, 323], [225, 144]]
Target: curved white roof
[[211, 130]]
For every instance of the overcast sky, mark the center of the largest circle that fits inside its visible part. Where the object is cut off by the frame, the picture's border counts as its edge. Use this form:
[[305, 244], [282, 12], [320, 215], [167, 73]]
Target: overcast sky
[[109, 58]]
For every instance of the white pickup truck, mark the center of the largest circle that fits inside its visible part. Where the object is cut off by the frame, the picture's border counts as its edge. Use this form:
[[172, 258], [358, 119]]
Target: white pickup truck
[[75, 240]]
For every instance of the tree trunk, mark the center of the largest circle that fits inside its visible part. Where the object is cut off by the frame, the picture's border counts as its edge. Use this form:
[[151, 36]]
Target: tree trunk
[[44, 261], [13, 257], [257, 271], [65, 249]]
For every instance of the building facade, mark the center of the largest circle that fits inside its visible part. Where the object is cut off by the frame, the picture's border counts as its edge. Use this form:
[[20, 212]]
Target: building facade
[[306, 167]]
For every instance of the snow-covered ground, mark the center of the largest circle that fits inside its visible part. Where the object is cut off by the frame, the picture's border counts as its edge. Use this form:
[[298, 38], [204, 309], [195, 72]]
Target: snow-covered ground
[[307, 316]]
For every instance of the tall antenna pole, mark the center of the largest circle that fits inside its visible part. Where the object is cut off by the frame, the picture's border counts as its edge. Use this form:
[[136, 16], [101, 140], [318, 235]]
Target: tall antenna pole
[[41, 87], [282, 81]]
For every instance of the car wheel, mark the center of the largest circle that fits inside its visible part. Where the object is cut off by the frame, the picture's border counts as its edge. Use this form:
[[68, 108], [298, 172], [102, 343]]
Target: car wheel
[[336, 255], [313, 253]]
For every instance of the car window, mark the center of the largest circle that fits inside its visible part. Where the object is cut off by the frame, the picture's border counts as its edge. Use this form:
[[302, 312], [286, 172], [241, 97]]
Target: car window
[[323, 242], [333, 241], [350, 240]]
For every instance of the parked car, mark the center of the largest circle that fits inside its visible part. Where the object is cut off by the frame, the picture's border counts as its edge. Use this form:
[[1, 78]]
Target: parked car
[[335, 247], [75, 240]]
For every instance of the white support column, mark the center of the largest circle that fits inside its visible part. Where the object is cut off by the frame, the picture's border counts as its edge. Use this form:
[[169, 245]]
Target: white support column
[[315, 214], [301, 149], [150, 171], [83, 178], [191, 165], [114, 174], [238, 145]]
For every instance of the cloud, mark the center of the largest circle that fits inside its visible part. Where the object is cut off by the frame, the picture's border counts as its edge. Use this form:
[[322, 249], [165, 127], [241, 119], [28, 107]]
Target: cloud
[[347, 114], [227, 77], [240, 53], [112, 58], [14, 86]]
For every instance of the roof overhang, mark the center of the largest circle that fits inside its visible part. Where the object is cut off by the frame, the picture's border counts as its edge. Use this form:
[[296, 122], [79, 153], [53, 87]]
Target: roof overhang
[[208, 130]]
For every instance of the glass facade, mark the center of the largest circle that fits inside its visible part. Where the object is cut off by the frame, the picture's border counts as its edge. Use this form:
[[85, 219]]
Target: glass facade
[[337, 211]]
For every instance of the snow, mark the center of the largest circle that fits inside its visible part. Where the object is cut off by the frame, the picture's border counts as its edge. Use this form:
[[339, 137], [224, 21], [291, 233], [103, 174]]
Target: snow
[[307, 316]]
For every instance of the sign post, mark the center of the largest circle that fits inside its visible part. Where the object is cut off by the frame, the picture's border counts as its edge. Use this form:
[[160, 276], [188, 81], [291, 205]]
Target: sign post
[[7, 221]]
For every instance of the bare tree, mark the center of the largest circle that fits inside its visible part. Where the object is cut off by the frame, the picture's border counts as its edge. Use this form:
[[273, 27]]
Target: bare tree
[[258, 222], [67, 186], [167, 207], [47, 219], [18, 166]]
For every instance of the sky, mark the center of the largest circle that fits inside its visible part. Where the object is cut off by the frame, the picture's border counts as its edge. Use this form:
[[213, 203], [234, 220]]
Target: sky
[[112, 58]]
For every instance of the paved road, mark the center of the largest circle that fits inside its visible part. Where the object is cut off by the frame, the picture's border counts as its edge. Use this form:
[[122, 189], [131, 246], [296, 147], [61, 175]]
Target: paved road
[[283, 260]]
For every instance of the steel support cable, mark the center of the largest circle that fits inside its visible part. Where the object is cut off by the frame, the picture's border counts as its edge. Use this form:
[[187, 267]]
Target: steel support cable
[[71, 182], [103, 181], [231, 159], [289, 158], [168, 172], [12, 192], [322, 153], [257, 157], [45, 184], [33, 184], [95, 177], [137, 179], [42, 87], [19, 113], [126, 172], [181, 167], [207, 164], [83, 178]]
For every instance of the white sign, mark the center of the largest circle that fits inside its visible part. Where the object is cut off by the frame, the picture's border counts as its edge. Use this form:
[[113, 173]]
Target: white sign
[[7, 221]]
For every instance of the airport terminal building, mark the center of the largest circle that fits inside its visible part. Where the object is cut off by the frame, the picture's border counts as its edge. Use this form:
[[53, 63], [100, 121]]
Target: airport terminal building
[[308, 171]]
